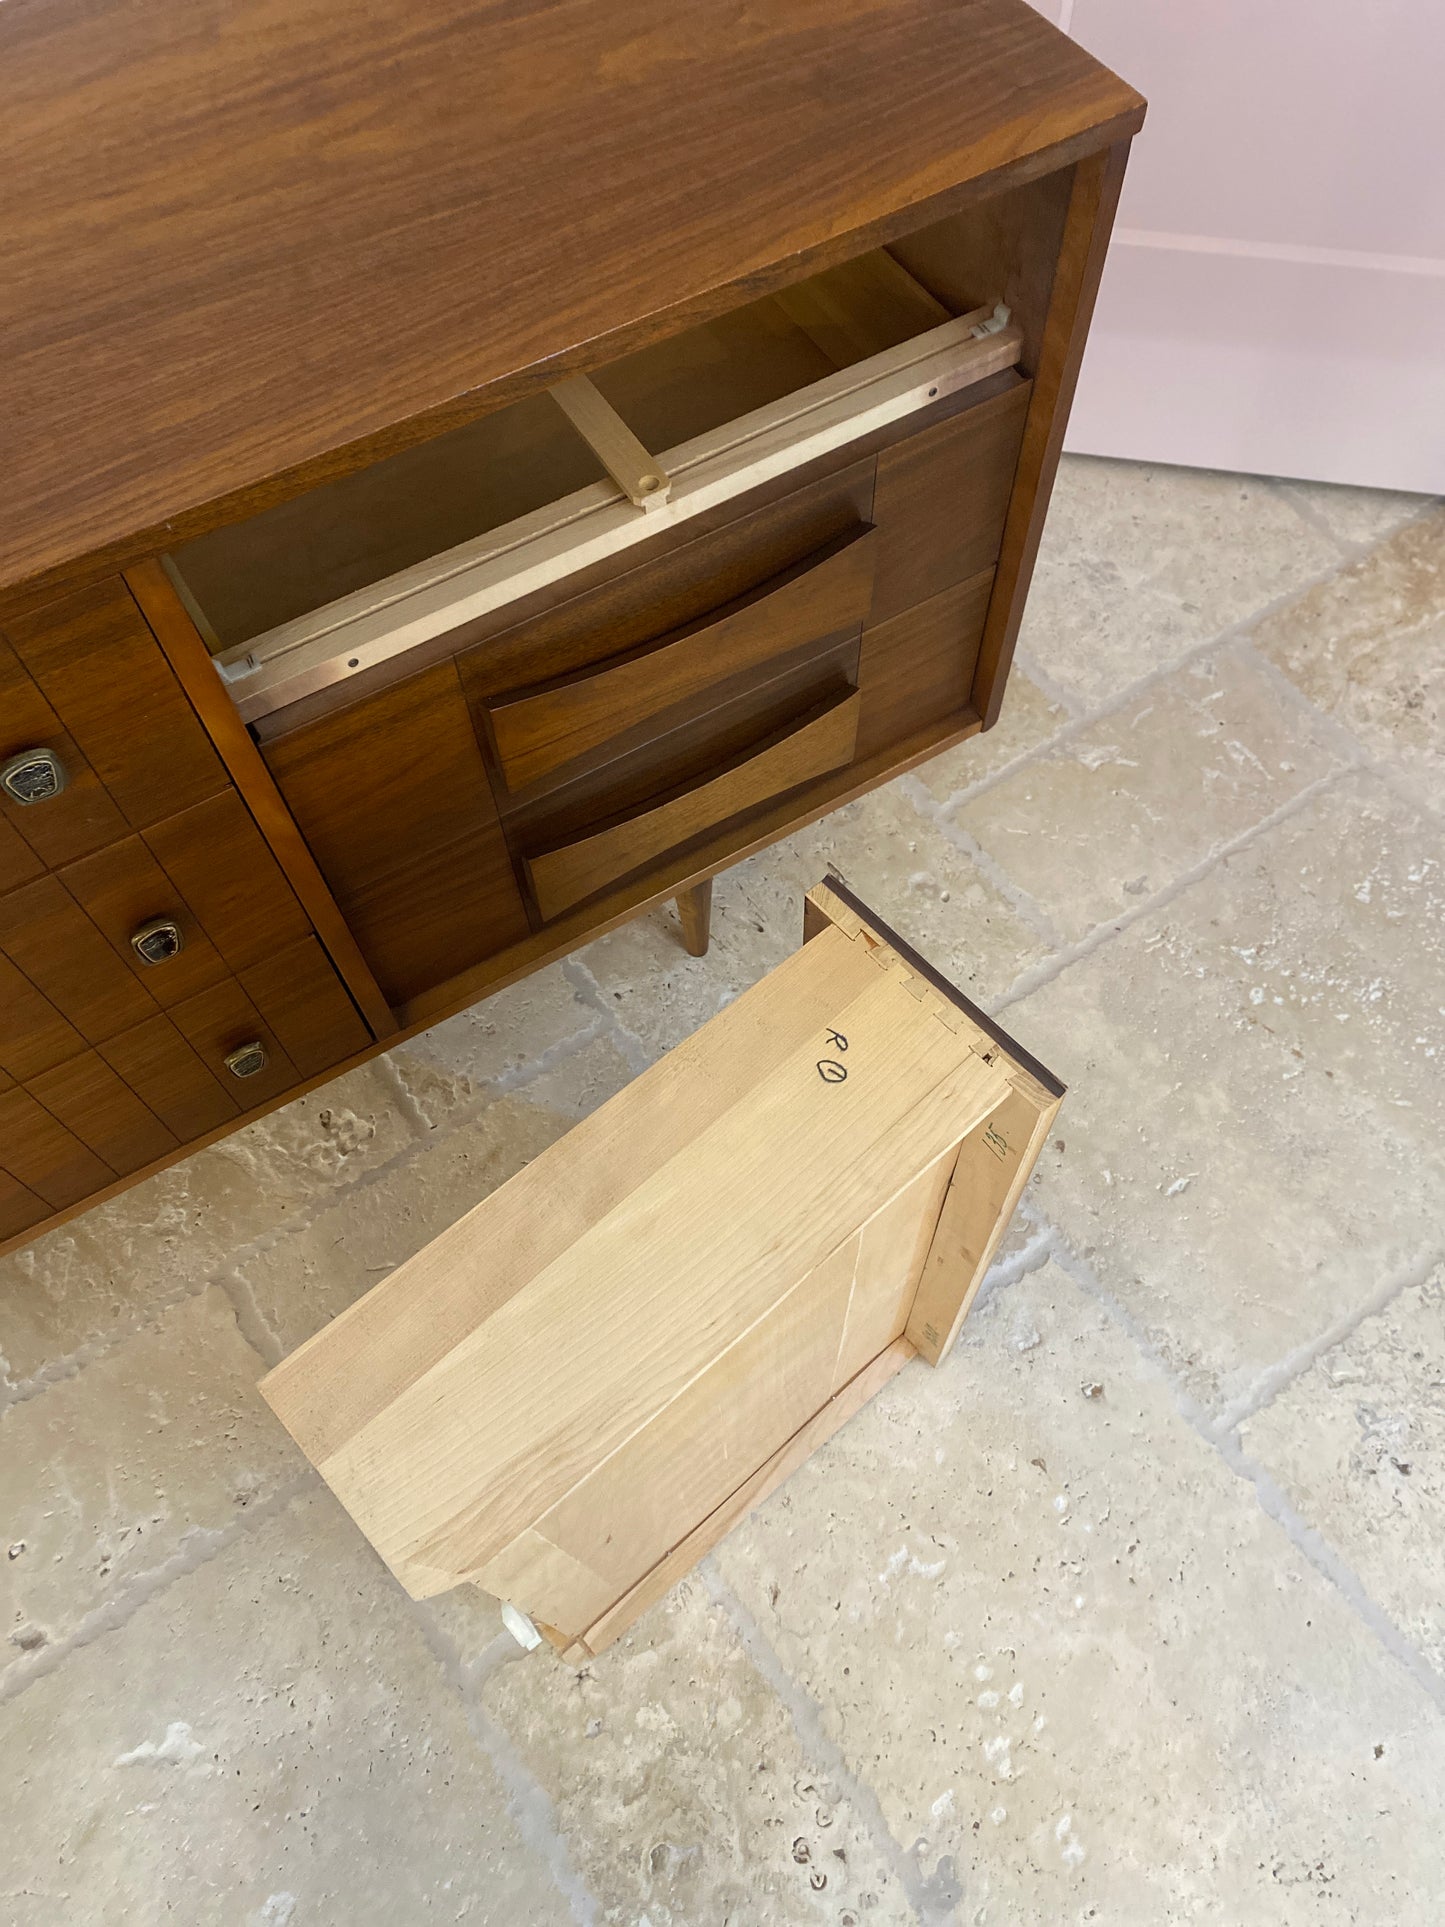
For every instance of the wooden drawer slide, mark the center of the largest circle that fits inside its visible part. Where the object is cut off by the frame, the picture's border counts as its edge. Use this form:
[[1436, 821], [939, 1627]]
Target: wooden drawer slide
[[571, 1394], [839, 357]]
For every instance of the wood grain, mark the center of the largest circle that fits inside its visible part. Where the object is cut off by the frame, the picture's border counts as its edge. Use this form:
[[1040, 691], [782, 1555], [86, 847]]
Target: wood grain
[[33, 1034], [862, 307], [45, 933], [639, 474], [20, 1208], [655, 1585], [393, 799], [918, 669], [1075, 283], [940, 502], [694, 913], [302, 999], [994, 1163], [189, 659], [538, 731], [99, 667], [215, 280], [90, 1100], [575, 871], [566, 1371], [219, 863], [82, 817], [168, 1076], [122, 887], [38, 1151], [220, 1020]]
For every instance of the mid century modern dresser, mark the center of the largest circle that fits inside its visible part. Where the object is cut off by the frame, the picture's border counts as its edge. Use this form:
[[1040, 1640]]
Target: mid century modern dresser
[[472, 471]]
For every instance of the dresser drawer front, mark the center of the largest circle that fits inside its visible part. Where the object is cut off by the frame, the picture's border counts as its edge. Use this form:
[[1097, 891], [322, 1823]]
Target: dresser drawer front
[[99, 1108], [568, 875], [46, 935], [39, 1153], [392, 796], [98, 666], [539, 732], [80, 816]]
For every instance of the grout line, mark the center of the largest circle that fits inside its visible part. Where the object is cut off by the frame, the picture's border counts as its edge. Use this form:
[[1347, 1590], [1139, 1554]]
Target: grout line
[[630, 1047], [251, 1321], [531, 1807], [405, 1103], [1286, 486], [1276, 1378], [196, 1548], [933, 1898], [1037, 976], [1284, 491], [1083, 716], [1028, 908], [1057, 694], [1308, 1540], [1344, 740]]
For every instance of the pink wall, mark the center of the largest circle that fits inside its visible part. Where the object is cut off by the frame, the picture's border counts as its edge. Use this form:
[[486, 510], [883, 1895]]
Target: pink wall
[[1275, 297]]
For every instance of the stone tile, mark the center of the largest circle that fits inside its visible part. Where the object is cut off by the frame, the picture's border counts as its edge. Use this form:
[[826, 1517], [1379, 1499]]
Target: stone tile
[[118, 1263], [1140, 563], [1234, 1196], [575, 1085], [1369, 647], [1334, 936], [496, 1044], [299, 1283], [1086, 1675], [907, 869], [680, 1786], [1136, 800], [106, 1475], [1028, 719], [660, 994], [269, 1740], [1358, 1443], [1354, 515]]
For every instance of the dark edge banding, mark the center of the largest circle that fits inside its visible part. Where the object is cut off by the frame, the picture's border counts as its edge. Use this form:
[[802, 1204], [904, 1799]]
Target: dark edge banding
[[1024, 1059]]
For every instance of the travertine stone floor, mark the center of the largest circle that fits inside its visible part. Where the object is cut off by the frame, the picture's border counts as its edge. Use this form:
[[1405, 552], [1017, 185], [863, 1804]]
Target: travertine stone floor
[[1131, 1614]]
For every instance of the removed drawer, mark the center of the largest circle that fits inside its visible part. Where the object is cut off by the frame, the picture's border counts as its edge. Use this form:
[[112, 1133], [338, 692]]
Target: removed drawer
[[538, 732], [813, 747], [573, 1392], [335, 582]]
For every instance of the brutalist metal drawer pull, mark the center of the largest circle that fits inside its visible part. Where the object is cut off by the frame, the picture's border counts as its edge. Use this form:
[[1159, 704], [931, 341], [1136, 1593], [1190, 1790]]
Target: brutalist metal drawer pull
[[34, 776], [246, 1059], [158, 941]]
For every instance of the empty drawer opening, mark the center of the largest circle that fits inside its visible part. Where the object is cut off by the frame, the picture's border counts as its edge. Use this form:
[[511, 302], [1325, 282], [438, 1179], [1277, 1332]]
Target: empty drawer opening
[[351, 574]]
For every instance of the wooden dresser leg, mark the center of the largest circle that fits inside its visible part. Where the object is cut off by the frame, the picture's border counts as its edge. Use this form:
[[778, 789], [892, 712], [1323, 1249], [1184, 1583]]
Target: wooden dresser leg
[[694, 908]]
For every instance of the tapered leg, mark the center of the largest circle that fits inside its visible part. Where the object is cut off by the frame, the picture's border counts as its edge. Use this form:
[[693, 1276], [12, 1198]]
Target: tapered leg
[[694, 908]]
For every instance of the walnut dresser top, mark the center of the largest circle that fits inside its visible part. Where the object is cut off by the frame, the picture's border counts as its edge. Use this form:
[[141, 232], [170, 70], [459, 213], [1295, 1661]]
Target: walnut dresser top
[[251, 242]]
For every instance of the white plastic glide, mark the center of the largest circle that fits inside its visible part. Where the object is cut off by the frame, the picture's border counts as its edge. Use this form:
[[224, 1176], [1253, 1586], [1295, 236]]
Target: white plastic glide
[[521, 1628]]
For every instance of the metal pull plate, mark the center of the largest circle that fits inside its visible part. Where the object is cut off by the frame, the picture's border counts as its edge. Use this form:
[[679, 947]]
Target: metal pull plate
[[247, 1059], [34, 776], [158, 941]]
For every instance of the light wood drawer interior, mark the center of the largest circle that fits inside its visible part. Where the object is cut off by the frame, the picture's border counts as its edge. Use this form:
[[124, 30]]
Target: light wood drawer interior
[[330, 584]]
